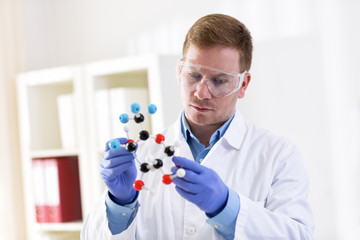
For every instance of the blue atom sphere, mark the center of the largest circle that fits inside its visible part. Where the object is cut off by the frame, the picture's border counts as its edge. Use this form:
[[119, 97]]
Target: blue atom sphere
[[152, 108], [114, 144], [124, 118], [135, 108]]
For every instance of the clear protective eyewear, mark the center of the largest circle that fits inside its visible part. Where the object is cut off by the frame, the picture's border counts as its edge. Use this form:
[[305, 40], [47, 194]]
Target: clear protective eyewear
[[220, 83]]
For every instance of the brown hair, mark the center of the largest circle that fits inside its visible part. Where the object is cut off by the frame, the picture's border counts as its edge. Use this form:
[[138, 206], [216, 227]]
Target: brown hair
[[220, 29]]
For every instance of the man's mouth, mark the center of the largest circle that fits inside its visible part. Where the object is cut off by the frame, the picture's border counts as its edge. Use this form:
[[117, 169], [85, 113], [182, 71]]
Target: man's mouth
[[200, 108]]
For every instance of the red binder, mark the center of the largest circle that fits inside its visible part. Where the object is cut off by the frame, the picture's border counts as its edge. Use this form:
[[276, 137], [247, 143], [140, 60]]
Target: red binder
[[57, 189], [63, 189]]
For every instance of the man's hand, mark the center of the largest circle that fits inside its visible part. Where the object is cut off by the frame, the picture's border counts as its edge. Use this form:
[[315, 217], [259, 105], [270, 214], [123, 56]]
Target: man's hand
[[201, 186], [118, 171]]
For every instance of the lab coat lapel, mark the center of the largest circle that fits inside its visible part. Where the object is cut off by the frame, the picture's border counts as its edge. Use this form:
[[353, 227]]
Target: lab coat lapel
[[235, 133], [233, 138]]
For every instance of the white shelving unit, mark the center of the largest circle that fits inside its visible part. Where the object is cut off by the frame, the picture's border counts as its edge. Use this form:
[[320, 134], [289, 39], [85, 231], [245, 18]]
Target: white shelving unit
[[149, 79]]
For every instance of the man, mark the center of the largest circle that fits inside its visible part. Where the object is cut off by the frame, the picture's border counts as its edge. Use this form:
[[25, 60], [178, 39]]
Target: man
[[241, 182]]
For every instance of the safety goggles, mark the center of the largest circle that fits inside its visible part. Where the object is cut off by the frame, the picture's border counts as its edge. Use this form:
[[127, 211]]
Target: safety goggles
[[219, 83]]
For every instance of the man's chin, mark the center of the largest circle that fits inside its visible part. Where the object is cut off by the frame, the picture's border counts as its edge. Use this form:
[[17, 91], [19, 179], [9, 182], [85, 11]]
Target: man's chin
[[201, 118]]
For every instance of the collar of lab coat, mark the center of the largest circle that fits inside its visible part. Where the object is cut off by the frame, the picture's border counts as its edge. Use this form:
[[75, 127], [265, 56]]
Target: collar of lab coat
[[234, 135]]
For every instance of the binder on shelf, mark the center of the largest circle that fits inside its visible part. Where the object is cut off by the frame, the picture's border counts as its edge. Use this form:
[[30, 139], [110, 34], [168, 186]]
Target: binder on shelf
[[38, 168], [62, 190]]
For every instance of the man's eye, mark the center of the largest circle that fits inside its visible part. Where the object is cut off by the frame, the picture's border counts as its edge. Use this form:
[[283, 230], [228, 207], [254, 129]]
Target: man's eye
[[195, 76], [219, 81]]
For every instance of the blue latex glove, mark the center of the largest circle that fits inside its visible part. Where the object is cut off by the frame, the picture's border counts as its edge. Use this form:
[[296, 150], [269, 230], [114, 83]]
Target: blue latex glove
[[201, 186], [118, 171]]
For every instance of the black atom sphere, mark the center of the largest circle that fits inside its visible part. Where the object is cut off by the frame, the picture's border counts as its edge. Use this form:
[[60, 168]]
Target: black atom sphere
[[130, 146], [144, 135], [158, 163], [168, 150], [144, 167], [139, 118]]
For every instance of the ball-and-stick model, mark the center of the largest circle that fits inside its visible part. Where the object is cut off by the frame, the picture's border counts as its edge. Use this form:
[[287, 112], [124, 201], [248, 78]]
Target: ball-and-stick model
[[149, 163]]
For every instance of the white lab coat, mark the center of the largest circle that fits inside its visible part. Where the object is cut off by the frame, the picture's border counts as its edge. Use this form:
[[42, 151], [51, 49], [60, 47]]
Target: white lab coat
[[265, 170]]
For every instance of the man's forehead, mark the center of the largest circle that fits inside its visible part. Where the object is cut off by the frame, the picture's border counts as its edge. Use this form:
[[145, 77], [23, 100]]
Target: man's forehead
[[217, 57]]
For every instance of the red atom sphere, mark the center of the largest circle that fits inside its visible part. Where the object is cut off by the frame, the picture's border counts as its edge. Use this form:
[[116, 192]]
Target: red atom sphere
[[129, 140], [138, 185], [167, 179], [159, 138]]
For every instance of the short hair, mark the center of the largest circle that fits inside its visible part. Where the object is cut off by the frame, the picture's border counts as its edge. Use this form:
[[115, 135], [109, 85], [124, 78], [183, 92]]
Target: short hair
[[219, 29]]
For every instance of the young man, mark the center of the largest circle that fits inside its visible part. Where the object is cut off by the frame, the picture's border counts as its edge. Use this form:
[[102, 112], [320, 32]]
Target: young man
[[241, 182]]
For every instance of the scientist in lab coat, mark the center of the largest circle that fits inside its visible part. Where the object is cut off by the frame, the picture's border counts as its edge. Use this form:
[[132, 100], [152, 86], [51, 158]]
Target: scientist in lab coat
[[241, 182]]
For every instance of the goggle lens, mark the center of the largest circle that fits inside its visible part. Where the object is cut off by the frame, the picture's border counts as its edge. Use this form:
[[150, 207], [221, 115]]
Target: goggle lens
[[219, 83]]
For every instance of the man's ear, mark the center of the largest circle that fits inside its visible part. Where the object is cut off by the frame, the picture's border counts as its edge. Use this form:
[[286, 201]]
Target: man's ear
[[245, 84]]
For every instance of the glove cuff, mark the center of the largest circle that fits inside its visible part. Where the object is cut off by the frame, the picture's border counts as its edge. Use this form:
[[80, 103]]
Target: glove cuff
[[213, 214], [123, 202]]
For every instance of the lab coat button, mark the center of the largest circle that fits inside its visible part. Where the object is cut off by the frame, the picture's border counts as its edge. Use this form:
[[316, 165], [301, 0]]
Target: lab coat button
[[191, 230]]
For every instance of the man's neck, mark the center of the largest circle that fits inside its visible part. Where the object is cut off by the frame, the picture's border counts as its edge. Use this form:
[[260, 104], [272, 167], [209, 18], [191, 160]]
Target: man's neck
[[204, 132]]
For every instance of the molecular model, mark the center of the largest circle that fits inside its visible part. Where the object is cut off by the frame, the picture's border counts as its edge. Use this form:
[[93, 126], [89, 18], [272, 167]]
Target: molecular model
[[149, 163]]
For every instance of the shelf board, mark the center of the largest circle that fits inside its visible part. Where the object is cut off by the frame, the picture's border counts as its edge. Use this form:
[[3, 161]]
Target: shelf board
[[59, 227], [50, 76], [54, 153]]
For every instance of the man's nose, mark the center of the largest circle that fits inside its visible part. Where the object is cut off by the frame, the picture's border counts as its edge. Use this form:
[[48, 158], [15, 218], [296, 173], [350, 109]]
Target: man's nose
[[202, 90]]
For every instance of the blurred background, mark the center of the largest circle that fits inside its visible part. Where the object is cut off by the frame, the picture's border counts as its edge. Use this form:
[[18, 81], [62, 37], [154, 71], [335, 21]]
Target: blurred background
[[305, 80]]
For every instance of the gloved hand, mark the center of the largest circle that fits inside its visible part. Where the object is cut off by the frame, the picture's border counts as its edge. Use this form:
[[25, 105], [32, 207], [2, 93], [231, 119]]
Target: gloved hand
[[118, 171], [201, 186]]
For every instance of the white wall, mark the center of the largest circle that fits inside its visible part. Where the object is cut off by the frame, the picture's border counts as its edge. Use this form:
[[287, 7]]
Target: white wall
[[340, 39], [304, 74], [12, 223]]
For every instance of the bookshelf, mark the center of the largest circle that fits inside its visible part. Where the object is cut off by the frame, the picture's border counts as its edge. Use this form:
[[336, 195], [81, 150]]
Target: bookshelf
[[100, 91]]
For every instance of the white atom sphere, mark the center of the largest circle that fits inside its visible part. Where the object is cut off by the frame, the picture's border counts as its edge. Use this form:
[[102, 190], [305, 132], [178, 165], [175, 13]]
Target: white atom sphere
[[126, 128], [180, 172]]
